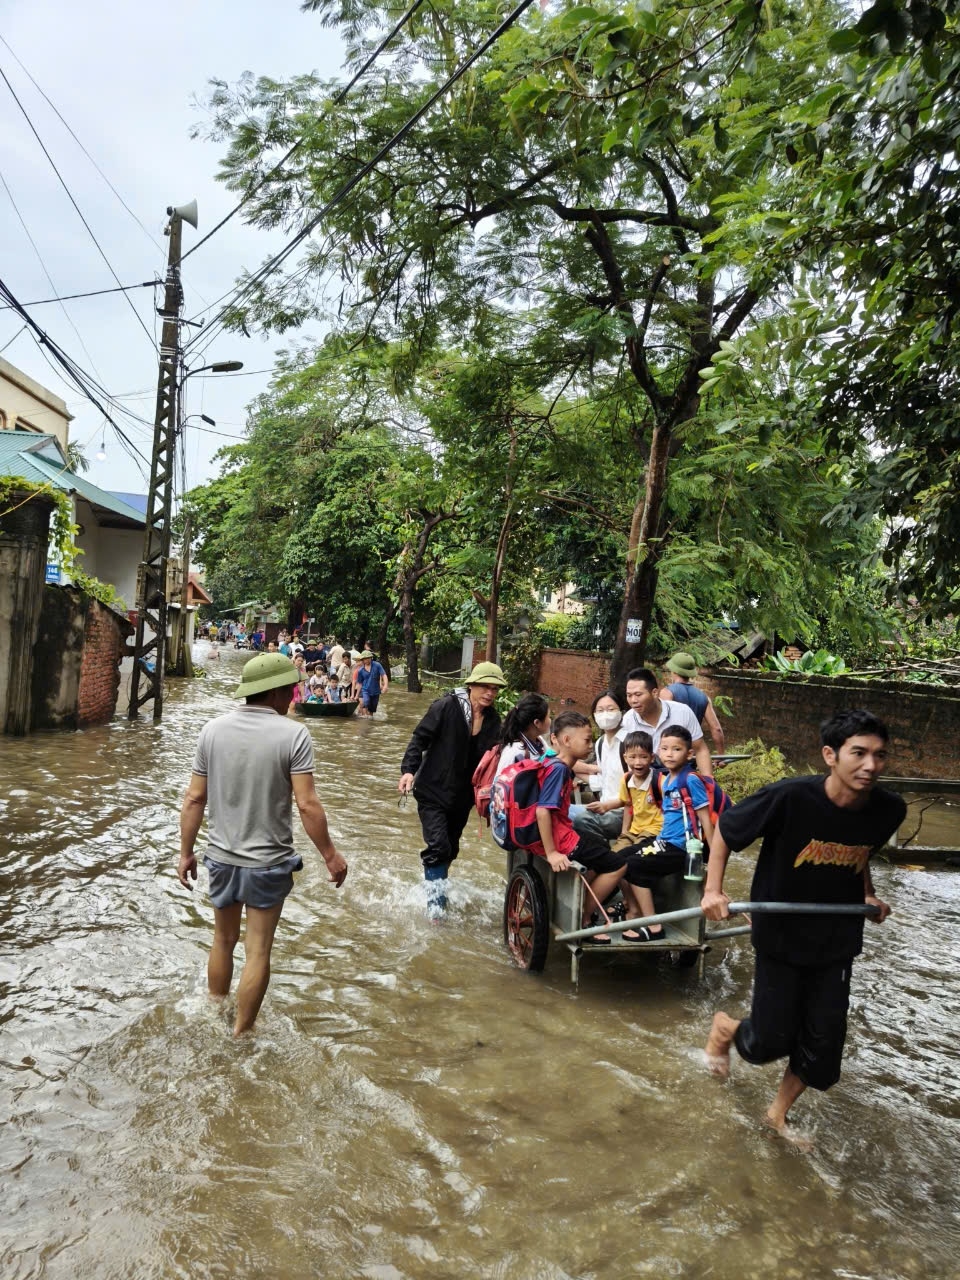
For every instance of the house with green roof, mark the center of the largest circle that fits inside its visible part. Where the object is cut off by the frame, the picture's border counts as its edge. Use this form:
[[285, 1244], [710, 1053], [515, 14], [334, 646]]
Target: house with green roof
[[109, 529]]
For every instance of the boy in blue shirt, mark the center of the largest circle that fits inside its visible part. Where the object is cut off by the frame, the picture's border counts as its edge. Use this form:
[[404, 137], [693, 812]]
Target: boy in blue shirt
[[685, 811], [559, 842]]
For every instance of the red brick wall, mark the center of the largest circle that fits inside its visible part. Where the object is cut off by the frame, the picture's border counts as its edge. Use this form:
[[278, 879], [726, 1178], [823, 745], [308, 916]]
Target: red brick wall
[[573, 675], [103, 647], [924, 723]]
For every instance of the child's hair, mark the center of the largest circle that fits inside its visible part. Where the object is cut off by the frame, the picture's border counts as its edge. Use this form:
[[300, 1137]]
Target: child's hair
[[848, 723], [569, 720], [637, 741], [532, 706], [607, 693], [677, 731]]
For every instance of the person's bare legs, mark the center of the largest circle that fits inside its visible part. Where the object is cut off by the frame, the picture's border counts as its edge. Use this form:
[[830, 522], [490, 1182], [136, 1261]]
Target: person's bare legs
[[257, 943], [791, 1087], [719, 1040], [226, 935]]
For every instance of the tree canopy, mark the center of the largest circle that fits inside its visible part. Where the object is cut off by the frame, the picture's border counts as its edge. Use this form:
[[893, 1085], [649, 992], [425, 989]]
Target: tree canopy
[[619, 208]]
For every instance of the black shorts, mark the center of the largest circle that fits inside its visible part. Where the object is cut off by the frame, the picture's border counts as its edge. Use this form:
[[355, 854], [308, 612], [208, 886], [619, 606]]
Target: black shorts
[[596, 855], [798, 1013], [645, 869]]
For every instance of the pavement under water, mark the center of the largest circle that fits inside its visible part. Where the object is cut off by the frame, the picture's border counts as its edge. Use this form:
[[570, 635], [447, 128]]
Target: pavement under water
[[412, 1105]]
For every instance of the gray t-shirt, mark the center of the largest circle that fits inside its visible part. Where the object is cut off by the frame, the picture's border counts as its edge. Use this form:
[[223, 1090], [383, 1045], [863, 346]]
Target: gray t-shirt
[[247, 757]]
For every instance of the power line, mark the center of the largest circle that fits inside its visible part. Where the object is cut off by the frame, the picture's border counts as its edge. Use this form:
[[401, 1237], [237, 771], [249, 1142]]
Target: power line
[[299, 143], [81, 380], [52, 106], [43, 267], [13, 339], [271, 265], [86, 224], [92, 293]]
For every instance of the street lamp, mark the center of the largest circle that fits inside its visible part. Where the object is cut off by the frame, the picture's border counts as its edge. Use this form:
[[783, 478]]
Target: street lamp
[[221, 366]]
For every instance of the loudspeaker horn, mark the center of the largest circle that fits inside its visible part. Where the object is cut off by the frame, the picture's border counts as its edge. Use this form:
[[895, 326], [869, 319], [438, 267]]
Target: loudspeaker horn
[[188, 212]]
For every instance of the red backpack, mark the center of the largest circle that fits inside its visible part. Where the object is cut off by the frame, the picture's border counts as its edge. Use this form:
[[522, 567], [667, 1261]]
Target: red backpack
[[482, 780], [513, 804], [717, 799]]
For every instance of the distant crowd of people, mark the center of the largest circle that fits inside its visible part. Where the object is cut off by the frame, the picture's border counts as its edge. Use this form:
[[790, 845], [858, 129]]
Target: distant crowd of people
[[327, 671]]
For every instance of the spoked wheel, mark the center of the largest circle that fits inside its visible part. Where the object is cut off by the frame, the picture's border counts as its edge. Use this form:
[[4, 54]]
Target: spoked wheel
[[526, 924]]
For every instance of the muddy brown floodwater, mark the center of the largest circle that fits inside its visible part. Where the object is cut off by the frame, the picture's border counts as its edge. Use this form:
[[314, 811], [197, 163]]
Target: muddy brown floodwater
[[412, 1105]]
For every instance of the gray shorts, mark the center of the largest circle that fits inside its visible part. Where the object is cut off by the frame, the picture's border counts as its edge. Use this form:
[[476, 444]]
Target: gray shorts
[[260, 887]]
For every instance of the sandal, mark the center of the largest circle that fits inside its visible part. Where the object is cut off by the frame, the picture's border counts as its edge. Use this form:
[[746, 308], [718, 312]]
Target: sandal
[[643, 934]]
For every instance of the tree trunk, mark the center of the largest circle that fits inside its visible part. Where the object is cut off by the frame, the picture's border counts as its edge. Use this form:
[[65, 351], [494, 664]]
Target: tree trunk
[[641, 585], [383, 652], [410, 641]]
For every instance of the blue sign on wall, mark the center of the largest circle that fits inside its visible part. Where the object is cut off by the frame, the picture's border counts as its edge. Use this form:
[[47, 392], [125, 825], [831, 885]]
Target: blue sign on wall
[[53, 573]]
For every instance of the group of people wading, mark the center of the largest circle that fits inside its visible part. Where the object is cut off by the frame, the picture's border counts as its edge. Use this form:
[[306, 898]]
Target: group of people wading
[[650, 773]]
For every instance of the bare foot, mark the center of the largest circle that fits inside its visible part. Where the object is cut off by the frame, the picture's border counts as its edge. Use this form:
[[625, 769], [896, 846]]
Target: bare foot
[[781, 1127], [718, 1044]]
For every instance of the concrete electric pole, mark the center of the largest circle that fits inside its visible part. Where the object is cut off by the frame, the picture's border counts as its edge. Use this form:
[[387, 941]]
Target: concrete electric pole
[[152, 575]]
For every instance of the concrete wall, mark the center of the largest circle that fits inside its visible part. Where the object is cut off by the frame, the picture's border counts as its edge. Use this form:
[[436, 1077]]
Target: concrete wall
[[112, 555], [924, 722], [29, 406], [77, 661]]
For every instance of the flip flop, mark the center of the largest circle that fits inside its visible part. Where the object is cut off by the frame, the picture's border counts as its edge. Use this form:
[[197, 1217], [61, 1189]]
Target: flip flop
[[643, 934]]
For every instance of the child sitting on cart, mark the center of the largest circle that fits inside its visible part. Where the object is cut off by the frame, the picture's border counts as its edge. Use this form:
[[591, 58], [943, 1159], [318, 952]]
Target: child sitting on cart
[[652, 858], [559, 842]]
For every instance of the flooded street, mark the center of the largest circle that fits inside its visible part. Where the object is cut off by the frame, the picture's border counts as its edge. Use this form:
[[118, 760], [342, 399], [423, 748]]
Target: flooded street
[[411, 1105]]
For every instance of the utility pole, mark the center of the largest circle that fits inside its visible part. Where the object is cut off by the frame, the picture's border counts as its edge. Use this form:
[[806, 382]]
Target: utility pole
[[152, 574]]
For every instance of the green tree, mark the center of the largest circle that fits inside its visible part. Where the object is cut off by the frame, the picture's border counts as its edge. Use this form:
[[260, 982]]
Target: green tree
[[584, 179]]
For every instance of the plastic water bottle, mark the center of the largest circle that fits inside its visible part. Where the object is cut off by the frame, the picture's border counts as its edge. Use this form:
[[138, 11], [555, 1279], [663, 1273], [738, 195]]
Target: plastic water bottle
[[694, 867]]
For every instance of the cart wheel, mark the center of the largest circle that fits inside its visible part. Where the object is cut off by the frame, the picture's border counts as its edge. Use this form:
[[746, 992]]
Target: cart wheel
[[683, 959], [526, 924]]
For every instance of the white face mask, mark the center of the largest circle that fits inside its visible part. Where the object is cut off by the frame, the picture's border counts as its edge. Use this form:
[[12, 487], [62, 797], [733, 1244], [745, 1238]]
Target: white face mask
[[607, 719]]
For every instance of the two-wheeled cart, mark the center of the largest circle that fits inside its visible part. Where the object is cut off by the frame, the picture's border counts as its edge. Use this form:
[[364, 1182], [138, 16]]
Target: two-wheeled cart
[[542, 905]]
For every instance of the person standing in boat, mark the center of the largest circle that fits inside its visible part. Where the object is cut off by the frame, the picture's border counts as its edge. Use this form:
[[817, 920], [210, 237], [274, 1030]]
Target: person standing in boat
[[246, 766], [438, 767], [681, 688], [818, 834]]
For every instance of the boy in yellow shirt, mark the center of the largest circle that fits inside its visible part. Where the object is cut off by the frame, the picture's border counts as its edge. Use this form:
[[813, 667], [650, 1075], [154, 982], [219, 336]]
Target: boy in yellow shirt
[[642, 816]]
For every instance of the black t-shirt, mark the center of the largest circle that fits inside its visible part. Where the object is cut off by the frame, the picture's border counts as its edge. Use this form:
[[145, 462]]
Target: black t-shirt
[[812, 851]]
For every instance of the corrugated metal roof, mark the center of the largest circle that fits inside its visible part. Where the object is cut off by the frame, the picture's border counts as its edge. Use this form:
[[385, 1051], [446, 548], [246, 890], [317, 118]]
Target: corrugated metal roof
[[30, 456]]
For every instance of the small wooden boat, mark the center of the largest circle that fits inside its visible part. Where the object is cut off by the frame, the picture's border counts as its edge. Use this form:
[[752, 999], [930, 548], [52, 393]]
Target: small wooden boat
[[341, 709]]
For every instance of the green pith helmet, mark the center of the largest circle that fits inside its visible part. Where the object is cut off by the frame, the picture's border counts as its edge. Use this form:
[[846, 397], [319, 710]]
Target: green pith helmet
[[366, 654], [266, 671], [486, 673], [683, 664]]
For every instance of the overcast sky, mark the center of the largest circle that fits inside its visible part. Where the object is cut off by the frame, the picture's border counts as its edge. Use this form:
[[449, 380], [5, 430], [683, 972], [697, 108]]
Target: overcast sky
[[125, 77]]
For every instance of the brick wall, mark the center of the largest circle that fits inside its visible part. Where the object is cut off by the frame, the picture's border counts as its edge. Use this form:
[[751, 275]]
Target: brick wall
[[924, 723], [573, 675], [104, 639]]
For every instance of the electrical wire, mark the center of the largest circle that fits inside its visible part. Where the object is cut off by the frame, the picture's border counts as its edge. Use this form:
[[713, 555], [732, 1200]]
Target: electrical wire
[[53, 108], [22, 329], [92, 293], [77, 376], [299, 143], [278, 259], [89, 229], [43, 267]]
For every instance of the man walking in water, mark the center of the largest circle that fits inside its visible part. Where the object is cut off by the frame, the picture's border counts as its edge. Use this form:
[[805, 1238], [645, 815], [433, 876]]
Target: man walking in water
[[818, 834], [247, 763]]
